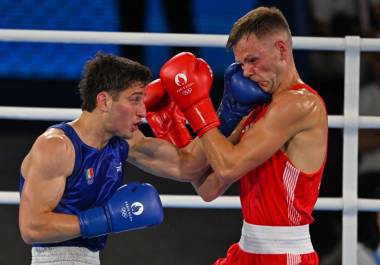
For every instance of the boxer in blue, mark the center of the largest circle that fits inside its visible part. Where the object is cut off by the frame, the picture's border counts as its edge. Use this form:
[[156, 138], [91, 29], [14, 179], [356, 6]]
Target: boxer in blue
[[71, 188]]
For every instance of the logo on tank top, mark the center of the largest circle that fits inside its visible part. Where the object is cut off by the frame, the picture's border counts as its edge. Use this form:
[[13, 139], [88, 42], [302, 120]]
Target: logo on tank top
[[119, 167], [184, 87], [90, 176]]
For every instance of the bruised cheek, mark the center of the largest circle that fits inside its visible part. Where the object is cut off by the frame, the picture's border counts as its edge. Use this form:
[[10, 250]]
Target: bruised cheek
[[268, 70]]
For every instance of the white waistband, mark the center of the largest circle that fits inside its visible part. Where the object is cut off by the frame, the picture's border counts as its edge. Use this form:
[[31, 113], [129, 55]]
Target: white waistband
[[260, 239], [64, 255]]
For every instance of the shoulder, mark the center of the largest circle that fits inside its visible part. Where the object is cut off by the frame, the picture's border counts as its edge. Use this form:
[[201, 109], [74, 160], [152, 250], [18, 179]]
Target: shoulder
[[297, 102], [299, 108], [53, 141], [52, 150]]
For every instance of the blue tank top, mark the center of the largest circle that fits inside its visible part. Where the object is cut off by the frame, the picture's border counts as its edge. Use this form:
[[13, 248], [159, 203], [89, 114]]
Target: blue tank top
[[96, 176]]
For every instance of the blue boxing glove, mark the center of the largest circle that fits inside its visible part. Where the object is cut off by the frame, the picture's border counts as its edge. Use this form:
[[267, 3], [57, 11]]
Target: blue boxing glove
[[133, 206], [241, 95]]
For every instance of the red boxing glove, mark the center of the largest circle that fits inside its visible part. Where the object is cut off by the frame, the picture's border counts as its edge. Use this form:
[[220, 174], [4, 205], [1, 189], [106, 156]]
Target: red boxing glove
[[164, 117], [188, 81]]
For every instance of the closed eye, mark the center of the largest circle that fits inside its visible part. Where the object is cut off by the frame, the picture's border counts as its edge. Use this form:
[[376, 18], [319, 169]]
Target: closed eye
[[251, 60], [248, 61]]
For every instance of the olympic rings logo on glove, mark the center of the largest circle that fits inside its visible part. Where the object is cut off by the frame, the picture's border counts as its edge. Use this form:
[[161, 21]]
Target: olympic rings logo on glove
[[126, 212]]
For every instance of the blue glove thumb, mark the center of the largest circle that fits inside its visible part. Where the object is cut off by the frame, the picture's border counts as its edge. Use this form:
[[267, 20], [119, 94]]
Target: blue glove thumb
[[241, 95]]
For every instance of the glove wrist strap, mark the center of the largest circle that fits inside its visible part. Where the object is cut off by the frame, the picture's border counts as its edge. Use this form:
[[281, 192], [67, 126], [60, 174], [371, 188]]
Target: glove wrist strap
[[179, 136], [202, 115], [93, 222]]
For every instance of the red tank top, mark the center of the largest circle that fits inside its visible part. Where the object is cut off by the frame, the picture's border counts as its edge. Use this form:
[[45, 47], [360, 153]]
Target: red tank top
[[277, 193]]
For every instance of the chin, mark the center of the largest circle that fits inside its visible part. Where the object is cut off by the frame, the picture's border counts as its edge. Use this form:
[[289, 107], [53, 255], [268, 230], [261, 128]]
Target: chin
[[265, 89], [126, 134], [268, 88]]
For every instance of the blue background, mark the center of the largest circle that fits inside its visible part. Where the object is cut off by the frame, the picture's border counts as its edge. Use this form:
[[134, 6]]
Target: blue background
[[65, 61]]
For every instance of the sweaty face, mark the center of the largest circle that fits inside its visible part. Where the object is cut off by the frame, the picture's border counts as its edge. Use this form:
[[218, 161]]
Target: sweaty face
[[259, 60], [126, 111]]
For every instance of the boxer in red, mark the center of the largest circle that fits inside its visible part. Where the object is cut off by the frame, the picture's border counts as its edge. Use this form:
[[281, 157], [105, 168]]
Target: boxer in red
[[277, 152]]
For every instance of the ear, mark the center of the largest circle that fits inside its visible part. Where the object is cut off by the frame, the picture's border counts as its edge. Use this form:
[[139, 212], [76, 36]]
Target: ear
[[282, 48], [102, 100]]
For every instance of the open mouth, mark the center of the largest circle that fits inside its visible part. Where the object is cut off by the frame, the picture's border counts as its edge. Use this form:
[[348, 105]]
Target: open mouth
[[262, 84], [136, 125]]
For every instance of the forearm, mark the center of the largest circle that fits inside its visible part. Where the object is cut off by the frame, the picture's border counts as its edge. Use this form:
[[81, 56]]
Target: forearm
[[146, 156], [49, 227], [219, 153], [194, 161], [163, 159], [210, 186]]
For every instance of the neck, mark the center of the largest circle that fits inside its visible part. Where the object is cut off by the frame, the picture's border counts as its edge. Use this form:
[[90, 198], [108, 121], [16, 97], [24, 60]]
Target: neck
[[291, 78], [90, 129]]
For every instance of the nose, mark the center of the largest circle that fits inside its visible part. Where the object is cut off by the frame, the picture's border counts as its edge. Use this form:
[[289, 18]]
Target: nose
[[141, 110], [248, 70]]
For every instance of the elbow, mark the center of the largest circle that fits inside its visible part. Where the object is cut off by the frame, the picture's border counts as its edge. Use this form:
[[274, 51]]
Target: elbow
[[223, 180], [27, 240], [209, 197], [25, 231], [30, 233], [27, 235]]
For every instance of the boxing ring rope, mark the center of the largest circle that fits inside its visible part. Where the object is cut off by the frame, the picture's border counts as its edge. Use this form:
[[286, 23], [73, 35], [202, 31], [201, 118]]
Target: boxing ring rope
[[350, 122], [224, 202], [167, 39], [64, 114]]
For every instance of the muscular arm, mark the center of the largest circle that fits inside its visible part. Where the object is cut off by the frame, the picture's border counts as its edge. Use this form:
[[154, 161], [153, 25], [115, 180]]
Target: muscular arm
[[287, 116], [163, 159], [45, 170]]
